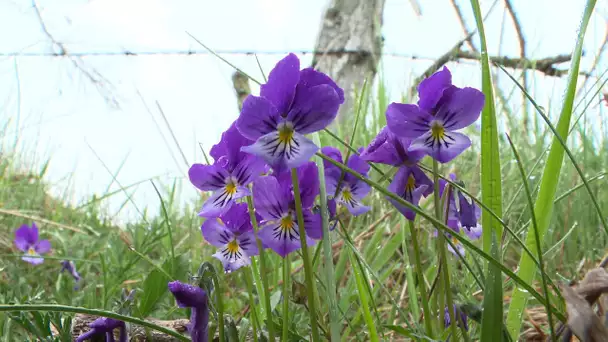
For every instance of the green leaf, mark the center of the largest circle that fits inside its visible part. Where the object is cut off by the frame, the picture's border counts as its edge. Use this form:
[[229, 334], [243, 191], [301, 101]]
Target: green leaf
[[544, 202], [274, 299], [406, 332], [154, 287], [232, 333], [399, 330]]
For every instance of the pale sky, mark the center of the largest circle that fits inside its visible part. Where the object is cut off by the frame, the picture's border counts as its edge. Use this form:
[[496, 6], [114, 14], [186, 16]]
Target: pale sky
[[61, 115]]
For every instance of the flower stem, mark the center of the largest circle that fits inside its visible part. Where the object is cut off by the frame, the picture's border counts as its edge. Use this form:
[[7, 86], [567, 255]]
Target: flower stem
[[308, 272], [330, 283], [94, 312], [286, 283], [409, 276], [445, 276], [253, 308], [219, 306], [264, 276], [428, 318]]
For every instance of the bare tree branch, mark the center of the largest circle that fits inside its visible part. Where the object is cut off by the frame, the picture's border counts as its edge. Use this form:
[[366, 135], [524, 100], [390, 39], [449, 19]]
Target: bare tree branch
[[57, 44], [464, 26], [518, 29], [546, 65], [522, 54], [100, 82], [598, 57]]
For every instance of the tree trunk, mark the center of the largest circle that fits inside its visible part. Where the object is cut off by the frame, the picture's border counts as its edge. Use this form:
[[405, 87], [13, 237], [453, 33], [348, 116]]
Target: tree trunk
[[349, 45]]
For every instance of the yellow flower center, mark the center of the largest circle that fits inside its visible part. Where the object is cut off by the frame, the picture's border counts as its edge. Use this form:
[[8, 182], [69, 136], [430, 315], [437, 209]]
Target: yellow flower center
[[31, 251], [232, 246], [347, 195], [411, 183], [287, 223], [437, 131], [285, 133], [231, 188]]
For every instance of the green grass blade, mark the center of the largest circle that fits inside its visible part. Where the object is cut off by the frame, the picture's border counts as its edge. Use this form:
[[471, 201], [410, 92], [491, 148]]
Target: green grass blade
[[364, 298], [492, 299], [167, 221], [539, 250], [544, 202], [491, 193]]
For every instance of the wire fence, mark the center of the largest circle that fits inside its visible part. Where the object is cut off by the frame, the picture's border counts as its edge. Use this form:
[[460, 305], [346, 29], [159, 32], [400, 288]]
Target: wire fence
[[195, 52]]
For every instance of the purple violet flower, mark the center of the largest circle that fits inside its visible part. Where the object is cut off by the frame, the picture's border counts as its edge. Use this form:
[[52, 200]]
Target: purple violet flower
[[389, 149], [233, 234], [190, 296], [70, 267], [410, 183], [274, 202], [26, 240], [462, 215], [442, 109], [463, 317], [463, 212], [351, 190], [291, 104], [105, 326], [460, 251], [229, 175]]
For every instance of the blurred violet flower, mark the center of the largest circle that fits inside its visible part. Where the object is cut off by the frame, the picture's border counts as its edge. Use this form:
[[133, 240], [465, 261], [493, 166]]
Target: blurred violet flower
[[291, 104], [274, 202], [26, 240], [190, 296], [105, 326], [229, 175], [463, 212], [410, 183], [442, 110], [460, 251], [389, 149], [70, 267], [350, 190], [233, 234], [463, 317]]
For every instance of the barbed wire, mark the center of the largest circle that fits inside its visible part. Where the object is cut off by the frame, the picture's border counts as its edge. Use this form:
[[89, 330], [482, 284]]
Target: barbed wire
[[194, 52]]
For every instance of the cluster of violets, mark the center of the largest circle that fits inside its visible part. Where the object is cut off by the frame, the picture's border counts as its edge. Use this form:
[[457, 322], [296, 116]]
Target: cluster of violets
[[254, 158], [255, 155]]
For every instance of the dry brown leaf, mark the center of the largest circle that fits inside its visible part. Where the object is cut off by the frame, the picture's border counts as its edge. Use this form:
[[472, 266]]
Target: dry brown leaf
[[582, 320]]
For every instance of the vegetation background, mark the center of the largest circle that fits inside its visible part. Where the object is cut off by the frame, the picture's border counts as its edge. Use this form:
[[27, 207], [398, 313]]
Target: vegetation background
[[88, 172]]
